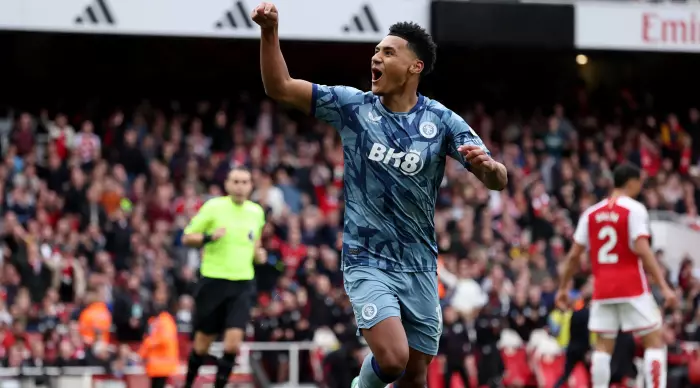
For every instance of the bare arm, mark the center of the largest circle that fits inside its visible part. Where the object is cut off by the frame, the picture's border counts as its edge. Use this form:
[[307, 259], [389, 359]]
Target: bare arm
[[260, 252], [573, 263], [279, 85], [643, 249], [193, 240], [494, 179]]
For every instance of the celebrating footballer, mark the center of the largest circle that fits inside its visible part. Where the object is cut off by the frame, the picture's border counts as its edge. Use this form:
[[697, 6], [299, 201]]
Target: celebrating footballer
[[395, 145]]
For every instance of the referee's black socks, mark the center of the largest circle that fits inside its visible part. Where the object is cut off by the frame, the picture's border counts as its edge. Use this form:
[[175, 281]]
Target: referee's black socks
[[193, 364], [224, 368]]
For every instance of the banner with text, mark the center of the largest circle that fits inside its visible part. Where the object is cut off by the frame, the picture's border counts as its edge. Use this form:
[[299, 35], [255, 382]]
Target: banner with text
[[348, 20], [639, 27]]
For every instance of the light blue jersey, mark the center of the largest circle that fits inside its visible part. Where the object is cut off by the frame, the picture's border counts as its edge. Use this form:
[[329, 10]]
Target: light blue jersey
[[394, 165]]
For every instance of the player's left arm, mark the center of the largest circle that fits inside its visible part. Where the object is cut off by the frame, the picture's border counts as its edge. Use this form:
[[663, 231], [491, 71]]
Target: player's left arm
[[640, 232], [468, 148]]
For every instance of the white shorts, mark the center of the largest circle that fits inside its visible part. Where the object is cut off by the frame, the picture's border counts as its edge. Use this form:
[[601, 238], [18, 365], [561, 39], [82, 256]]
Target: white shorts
[[639, 315]]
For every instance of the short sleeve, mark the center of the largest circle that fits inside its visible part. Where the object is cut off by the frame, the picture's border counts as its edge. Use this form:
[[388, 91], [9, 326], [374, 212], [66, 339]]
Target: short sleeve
[[639, 223], [201, 221], [581, 233], [331, 104], [459, 133]]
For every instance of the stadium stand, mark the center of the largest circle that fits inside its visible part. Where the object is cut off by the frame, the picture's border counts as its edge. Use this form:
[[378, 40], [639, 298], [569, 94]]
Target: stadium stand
[[97, 190]]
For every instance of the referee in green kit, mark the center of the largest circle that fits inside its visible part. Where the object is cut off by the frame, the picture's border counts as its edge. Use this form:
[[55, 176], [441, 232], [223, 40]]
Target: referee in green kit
[[228, 230]]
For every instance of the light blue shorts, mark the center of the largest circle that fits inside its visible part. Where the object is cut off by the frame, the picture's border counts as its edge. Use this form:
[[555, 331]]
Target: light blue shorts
[[376, 295]]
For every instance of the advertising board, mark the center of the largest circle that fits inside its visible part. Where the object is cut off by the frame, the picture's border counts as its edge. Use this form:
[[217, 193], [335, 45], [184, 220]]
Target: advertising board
[[348, 20]]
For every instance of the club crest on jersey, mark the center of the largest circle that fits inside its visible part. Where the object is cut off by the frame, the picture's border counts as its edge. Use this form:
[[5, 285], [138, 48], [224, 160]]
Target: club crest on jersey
[[427, 129]]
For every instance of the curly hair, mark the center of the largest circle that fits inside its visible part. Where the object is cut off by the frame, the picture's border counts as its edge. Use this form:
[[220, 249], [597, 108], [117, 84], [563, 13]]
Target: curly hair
[[419, 41]]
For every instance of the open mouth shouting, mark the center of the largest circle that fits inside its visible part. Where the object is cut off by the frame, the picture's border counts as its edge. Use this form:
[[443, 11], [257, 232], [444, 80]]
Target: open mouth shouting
[[376, 74]]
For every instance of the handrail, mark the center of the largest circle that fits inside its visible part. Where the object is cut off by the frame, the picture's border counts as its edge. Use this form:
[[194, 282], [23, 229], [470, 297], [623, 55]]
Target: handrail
[[217, 348]]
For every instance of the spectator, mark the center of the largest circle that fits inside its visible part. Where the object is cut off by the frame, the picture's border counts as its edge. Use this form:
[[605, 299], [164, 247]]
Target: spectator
[[92, 213], [455, 345], [87, 145], [131, 157], [130, 312], [23, 137], [36, 272], [468, 296], [61, 134], [95, 321]]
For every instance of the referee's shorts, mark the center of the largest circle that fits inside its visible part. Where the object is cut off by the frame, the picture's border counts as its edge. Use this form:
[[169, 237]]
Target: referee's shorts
[[222, 304]]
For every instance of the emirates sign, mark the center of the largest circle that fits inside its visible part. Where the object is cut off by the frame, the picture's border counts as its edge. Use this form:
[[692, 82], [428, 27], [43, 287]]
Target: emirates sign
[[639, 27]]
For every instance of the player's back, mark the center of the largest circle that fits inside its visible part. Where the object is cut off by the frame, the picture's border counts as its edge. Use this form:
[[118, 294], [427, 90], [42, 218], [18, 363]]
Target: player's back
[[613, 225]]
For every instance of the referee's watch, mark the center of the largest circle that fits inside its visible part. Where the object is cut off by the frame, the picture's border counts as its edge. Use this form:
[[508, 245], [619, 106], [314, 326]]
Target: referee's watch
[[206, 238]]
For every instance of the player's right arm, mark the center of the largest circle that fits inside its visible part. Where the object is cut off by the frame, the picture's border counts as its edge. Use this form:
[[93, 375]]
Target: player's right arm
[[196, 233], [323, 102], [573, 260], [279, 85]]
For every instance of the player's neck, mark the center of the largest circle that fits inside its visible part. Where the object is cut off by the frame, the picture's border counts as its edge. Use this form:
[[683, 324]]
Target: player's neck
[[400, 102], [617, 193]]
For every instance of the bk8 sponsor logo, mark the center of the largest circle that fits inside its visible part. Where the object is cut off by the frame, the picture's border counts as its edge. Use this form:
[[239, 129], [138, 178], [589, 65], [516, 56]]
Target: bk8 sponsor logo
[[409, 163]]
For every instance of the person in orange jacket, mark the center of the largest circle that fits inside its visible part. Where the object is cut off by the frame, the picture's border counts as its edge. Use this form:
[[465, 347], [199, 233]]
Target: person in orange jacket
[[160, 350], [95, 321]]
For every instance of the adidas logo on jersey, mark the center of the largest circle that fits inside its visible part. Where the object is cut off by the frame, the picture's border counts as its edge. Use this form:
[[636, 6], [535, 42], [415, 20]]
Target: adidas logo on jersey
[[409, 163]]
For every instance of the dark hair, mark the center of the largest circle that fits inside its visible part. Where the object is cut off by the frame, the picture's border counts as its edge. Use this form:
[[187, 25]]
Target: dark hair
[[240, 168], [419, 40], [624, 173]]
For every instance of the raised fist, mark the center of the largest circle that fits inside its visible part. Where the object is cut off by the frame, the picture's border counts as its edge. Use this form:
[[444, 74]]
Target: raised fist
[[265, 15]]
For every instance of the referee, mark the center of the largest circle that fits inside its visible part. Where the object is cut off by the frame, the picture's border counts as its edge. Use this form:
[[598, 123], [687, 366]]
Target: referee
[[228, 230]]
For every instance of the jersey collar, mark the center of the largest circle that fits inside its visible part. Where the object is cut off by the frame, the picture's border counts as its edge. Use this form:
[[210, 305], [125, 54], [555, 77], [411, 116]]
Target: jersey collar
[[419, 104]]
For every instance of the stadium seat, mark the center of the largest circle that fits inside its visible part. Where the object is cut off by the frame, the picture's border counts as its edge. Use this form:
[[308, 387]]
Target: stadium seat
[[517, 371], [580, 378], [694, 369], [548, 370]]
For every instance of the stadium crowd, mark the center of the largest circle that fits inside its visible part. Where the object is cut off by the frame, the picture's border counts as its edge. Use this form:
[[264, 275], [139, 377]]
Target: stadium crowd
[[93, 208]]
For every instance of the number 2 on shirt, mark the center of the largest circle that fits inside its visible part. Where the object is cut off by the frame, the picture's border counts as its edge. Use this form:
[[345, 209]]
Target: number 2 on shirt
[[609, 235]]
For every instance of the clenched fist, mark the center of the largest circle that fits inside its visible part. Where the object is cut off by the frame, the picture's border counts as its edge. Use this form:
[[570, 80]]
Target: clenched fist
[[477, 157], [265, 15]]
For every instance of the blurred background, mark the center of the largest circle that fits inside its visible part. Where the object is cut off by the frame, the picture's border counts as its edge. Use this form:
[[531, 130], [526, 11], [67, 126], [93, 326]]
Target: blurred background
[[119, 118]]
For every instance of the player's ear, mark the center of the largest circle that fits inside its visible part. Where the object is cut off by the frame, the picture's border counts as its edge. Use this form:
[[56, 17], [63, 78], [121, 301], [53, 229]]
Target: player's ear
[[416, 67]]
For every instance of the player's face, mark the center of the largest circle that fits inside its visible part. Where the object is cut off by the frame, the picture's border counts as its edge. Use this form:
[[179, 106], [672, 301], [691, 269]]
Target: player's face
[[239, 184], [393, 64]]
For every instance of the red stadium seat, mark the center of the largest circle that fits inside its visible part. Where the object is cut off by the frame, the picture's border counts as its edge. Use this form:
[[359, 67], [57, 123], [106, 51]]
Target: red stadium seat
[[694, 369], [517, 370], [548, 370], [580, 378]]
